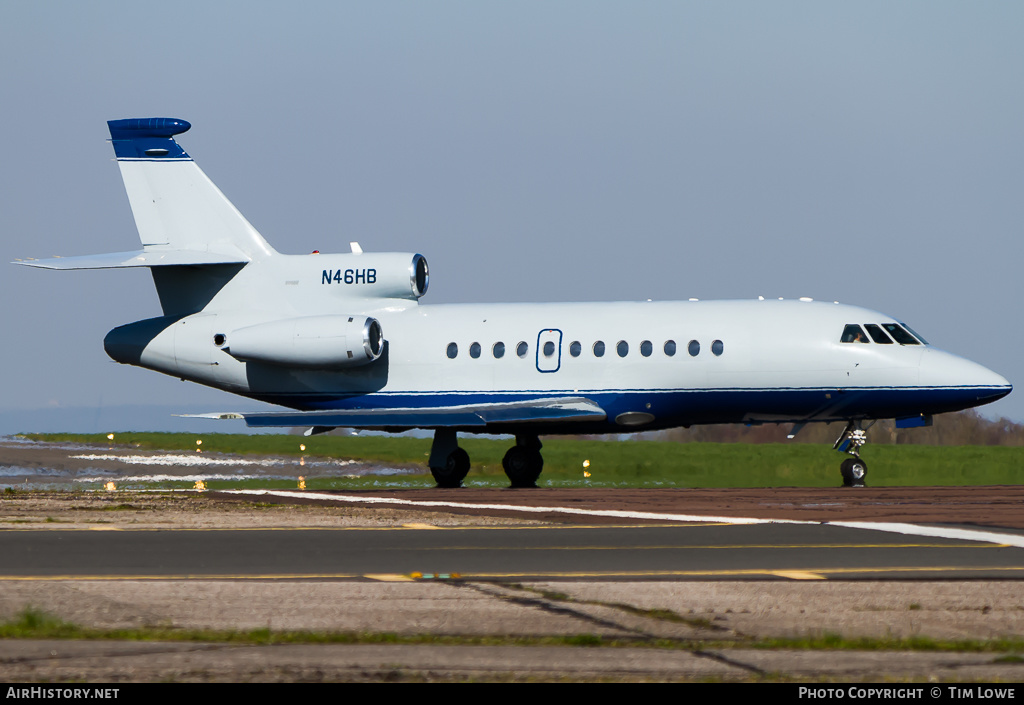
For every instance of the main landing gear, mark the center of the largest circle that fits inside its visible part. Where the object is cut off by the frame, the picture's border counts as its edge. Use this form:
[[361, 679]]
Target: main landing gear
[[449, 464], [853, 469], [523, 461]]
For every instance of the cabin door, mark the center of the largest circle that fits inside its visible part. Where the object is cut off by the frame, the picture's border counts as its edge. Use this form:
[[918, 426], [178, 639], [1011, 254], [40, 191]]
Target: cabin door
[[549, 350]]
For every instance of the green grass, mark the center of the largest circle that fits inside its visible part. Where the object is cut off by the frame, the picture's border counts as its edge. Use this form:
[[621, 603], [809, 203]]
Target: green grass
[[829, 641], [33, 623], [611, 463]]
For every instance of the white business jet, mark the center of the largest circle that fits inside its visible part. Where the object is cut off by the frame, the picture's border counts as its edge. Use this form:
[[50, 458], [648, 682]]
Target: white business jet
[[342, 341]]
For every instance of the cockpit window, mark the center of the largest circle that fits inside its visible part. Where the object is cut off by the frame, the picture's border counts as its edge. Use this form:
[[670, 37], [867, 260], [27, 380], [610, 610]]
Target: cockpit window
[[853, 334], [915, 334], [902, 337], [877, 334]]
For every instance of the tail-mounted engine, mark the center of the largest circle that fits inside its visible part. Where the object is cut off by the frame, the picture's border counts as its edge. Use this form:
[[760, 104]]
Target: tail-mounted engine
[[311, 341], [385, 275]]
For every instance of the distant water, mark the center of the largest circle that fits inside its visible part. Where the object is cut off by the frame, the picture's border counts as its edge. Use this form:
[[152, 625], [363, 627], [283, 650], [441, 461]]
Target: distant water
[[121, 419], [141, 418], [78, 466]]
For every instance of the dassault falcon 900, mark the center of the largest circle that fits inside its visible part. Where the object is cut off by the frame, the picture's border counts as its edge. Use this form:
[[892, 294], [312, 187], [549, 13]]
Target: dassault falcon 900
[[341, 340]]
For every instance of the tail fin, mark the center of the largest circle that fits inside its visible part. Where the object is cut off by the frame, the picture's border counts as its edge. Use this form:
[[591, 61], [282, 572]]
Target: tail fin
[[193, 240], [176, 206]]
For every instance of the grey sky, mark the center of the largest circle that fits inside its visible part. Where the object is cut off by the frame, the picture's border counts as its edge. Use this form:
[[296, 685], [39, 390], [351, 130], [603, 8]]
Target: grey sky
[[864, 152]]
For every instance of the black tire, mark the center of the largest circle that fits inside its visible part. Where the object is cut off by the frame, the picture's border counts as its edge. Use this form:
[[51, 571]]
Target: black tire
[[455, 470], [853, 470], [522, 466]]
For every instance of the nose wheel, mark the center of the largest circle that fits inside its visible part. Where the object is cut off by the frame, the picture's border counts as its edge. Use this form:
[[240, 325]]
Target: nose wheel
[[853, 469]]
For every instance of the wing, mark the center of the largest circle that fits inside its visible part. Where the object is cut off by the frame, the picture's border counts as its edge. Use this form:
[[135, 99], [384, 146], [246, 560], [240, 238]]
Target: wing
[[475, 416], [140, 258]]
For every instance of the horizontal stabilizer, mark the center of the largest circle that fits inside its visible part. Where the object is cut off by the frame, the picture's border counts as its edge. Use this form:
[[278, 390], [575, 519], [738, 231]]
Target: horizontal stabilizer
[[472, 416], [139, 258]]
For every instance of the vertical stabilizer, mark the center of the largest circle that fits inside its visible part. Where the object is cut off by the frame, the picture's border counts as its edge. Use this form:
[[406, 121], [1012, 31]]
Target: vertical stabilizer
[[176, 206]]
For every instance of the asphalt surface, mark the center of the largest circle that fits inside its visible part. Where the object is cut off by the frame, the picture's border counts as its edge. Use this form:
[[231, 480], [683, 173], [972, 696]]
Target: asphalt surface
[[678, 552]]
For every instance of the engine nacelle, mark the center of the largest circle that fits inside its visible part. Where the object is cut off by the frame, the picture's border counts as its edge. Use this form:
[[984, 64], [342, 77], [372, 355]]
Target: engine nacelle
[[386, 275], [310, 341]]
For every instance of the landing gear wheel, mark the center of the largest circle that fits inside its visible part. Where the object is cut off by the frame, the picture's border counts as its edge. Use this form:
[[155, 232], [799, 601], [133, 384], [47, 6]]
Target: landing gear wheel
[[853, 470], [523, 466], [455, 470]]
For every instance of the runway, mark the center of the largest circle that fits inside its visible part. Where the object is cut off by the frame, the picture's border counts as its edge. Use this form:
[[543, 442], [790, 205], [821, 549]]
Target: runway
[[679, 552]]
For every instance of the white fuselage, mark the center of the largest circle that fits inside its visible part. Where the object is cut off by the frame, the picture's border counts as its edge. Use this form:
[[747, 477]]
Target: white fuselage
[[730, 361]]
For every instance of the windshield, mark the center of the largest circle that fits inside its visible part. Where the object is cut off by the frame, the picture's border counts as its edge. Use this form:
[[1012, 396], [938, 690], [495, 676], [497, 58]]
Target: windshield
[[900, 332], [902, 336]]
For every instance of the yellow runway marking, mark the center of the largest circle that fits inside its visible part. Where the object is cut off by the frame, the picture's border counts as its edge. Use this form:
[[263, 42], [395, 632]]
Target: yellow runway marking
[[744, 572], [706, 547], [289, 576], [389, 577], [798, 575], [809, 573], [43, 526]]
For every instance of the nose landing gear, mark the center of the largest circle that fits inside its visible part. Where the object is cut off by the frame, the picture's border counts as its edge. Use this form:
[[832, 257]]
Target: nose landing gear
[[853, 469]]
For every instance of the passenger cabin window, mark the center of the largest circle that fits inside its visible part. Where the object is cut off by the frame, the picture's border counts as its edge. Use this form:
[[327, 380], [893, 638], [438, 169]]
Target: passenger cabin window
[[646, 348], [474, 350], [599, 349], [670, 347], [622, 348], [717, 348], [453, 350], [902, 337], [522, 349], [853, 334], [877, 334], [693, 348], [575, 348], [549, 349], [499, 350]]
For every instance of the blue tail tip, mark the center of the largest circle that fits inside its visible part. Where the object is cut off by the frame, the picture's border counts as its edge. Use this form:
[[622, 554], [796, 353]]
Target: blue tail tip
[[151, 139], [134, 128]]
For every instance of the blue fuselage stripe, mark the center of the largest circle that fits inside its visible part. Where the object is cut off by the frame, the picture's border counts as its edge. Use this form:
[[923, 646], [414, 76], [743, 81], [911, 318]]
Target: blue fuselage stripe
[[688, 406]]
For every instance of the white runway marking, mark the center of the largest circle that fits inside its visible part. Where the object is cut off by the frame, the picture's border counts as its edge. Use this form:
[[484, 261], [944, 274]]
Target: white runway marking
[[515, 507], [195, 460], [945, 532], [1015, 540]]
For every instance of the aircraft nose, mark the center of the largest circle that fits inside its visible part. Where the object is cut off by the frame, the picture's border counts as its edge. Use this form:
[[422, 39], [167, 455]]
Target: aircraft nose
[[940, 369]]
